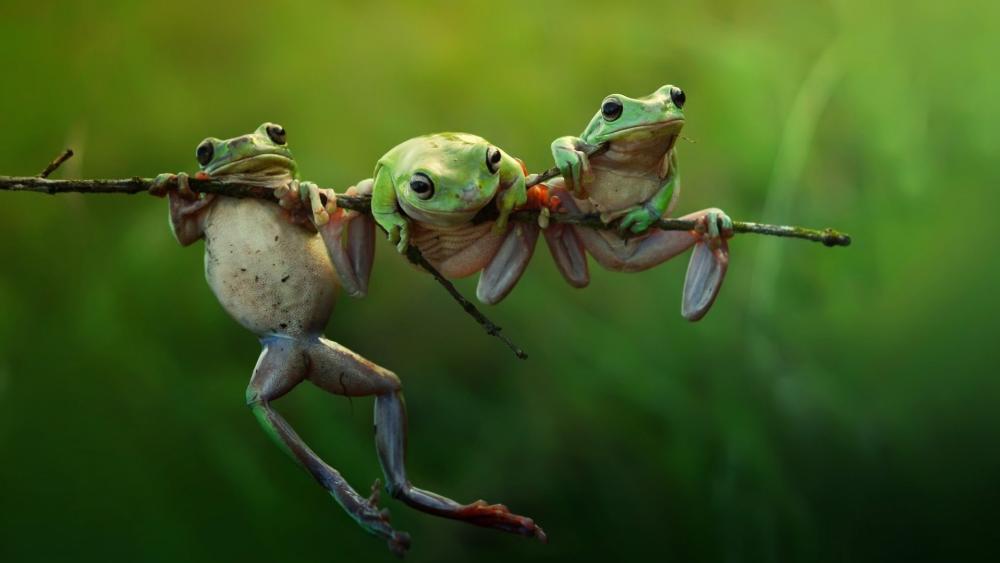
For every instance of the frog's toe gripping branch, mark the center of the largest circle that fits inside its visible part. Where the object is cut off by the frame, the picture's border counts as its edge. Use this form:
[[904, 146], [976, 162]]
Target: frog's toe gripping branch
[[353, 257]]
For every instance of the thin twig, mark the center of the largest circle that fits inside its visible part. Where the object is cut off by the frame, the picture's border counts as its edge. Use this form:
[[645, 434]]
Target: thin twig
[[63, 157], [829, 237]]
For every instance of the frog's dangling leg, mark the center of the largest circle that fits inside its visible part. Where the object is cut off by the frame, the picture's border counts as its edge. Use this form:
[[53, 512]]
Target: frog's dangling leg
[[565, 247], [505, 268], [706, 270], [283, 364]]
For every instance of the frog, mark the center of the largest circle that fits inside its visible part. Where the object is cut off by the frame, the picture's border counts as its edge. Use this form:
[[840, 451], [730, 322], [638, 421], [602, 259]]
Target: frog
[[276, 267], [430, 191], [632, 179]]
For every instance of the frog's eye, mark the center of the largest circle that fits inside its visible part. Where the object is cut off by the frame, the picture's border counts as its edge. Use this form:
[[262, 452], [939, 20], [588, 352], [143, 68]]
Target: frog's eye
[[678, 97], [421, 185], [276, 133], [611, 108], [205, 152], [493, 157]]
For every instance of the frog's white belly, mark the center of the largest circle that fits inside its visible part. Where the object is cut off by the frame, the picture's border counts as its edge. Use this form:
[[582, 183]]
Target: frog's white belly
[[271, 276]]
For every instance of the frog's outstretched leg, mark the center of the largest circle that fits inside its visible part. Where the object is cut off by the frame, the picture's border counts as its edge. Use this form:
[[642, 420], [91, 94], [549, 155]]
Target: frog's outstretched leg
[[390, 434], [283, 364], [505, 268], [340, 371]]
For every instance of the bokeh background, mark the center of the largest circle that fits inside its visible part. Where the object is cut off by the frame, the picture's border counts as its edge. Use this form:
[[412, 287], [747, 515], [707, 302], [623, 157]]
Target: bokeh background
[[836, 404]]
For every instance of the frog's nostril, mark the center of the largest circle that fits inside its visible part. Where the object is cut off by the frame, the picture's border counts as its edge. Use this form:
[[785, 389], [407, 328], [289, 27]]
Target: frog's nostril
[[678, 97]]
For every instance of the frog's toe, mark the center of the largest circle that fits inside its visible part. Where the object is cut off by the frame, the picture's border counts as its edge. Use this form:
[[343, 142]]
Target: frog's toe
[[161, 183]]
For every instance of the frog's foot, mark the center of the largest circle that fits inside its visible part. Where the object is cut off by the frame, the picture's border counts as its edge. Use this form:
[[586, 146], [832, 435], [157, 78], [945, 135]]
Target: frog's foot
[[638, 220], [376, 521], [708, 264], [500, 517]]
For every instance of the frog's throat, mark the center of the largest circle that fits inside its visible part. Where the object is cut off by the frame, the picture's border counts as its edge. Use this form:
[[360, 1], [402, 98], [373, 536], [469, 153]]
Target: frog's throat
[[266, 167], [451, 218]]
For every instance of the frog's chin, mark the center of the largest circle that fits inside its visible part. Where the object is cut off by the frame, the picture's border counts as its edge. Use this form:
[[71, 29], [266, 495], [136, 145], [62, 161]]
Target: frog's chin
[[265, 166], [450, 218]]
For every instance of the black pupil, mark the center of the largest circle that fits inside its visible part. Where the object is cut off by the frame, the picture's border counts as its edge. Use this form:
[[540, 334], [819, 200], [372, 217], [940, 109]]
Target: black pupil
[[204, 153], [495, 157], [277, 134], [420, 184], [678, 97], [611, 109]]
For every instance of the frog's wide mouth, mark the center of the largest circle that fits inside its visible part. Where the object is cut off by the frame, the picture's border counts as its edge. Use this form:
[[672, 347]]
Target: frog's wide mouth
[[670, 126], [659, 136], [264, 164]]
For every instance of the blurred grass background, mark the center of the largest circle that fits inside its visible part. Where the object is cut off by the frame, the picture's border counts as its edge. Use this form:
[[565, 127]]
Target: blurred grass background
[[836, 405]]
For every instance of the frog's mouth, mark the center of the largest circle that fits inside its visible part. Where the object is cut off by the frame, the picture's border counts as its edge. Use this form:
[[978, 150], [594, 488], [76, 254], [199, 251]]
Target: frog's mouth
[[260, 166], [651, 133], [449, 218]]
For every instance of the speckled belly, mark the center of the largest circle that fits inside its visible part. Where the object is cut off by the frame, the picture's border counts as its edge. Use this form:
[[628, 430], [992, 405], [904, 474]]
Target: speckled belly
[[271, 276]]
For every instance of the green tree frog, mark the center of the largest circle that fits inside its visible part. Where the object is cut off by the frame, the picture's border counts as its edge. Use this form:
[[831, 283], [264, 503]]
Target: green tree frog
[[427, 190], [635, 181], [272, 267]]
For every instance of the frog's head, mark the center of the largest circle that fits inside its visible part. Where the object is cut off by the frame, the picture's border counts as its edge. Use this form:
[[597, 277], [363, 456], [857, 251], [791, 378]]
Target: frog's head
[[444, 179], [261, 157], [621, 119]]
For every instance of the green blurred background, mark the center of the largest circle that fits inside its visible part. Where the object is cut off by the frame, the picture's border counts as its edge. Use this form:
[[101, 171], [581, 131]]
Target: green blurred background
[[836, 404]]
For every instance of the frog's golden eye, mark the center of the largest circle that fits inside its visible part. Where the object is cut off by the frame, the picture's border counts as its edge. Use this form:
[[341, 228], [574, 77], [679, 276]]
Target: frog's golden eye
[[276, 133], [611, 108], [493, 157], [205, 152], [678, 97], [422, 185]]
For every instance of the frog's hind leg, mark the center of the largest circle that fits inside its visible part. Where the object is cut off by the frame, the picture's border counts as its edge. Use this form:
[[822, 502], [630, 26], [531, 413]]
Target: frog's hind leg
[[283, 364], [506, 267], [341, 371]]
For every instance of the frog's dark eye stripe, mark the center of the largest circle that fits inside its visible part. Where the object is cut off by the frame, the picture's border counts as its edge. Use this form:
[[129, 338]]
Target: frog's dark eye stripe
[[493, 158], [276, 133], [678, 97], [204, 152], [421, 185], [611, 108]]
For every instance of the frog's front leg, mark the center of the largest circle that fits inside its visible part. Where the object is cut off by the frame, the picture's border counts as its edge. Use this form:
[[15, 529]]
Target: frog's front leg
[[286, 362], [187, 209], [572, 161], [508, 264], [352, 255]]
